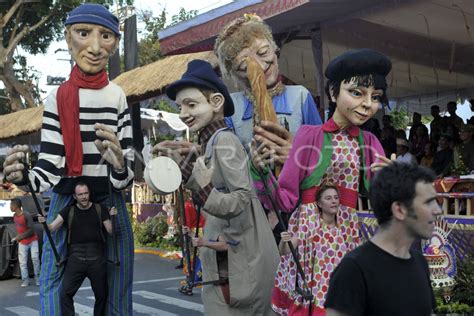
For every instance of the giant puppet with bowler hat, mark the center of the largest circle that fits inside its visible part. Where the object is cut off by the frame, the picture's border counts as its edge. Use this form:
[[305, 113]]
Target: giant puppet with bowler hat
[[237, 281], [86, 136]]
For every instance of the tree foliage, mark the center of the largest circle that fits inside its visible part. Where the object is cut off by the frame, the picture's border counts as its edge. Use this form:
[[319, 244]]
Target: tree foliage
[[149, 46], [399, 119], [183, 15]]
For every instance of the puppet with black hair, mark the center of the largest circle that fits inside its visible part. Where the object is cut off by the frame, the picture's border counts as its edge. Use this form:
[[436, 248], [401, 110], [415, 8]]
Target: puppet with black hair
[[338, 152]]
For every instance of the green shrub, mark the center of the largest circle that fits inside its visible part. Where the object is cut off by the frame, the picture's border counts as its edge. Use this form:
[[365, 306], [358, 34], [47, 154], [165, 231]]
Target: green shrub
[[151, 230], [453, 308], [463, 290], [461, 296]]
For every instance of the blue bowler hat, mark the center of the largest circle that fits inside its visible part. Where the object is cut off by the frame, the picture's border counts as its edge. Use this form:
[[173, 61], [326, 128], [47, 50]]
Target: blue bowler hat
[[92, 13], [200, 74]]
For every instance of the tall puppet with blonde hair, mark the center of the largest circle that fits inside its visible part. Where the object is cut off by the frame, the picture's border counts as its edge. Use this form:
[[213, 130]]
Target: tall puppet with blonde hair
[[86, 128], [265, 108], [247, 42]]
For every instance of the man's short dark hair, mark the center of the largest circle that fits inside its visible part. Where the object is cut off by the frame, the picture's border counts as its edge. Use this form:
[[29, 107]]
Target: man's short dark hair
[[16, 203], [435, 107], [82, 184], [396, 183]]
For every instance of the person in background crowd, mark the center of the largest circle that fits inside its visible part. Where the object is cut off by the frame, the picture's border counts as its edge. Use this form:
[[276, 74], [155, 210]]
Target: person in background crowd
[[403, 154], [453, 119], [419, 142], [463, 155], [372, 125], [436, 126], [376, 277], [27, 242], [443, 157], [416, 122], [427, 158], [388, 138]]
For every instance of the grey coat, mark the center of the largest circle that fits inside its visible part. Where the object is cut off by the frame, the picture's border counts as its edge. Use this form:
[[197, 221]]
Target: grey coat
[[236, 214]]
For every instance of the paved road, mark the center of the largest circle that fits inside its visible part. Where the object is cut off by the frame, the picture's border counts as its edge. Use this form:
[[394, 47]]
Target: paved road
[[154, 292]]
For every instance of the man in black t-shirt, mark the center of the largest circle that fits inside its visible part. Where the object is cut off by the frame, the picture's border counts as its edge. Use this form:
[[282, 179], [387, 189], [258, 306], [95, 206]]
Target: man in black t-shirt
[[384, 276], [85, 222]]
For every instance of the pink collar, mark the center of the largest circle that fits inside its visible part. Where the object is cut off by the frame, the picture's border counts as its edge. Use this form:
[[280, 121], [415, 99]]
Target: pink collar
[[331, 127]]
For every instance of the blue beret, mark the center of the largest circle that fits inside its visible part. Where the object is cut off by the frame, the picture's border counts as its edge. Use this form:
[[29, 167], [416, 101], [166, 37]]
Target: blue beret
[[358, 62], [94, 14]]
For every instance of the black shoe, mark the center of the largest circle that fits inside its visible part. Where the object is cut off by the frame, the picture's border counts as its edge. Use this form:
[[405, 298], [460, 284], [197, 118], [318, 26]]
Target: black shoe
[[186, 289], [179, 266]]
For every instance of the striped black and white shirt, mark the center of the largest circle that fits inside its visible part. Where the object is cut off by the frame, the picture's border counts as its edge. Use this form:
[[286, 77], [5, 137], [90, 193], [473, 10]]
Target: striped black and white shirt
[[107, 106]]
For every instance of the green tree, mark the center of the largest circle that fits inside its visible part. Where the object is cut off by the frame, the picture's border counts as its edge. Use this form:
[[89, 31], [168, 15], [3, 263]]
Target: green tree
[[399, 119], [149, 46], [183, 15], [163, 105], [32, 25]]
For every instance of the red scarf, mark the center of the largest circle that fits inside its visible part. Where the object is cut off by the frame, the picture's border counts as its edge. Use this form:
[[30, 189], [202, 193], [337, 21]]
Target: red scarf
[[67, 99]]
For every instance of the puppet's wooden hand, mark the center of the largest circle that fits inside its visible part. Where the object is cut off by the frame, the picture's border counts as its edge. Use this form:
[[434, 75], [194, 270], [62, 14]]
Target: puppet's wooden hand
[[176, 150], [261, 155], [109, 146], [382, 162], [274, 137], [12, 167]]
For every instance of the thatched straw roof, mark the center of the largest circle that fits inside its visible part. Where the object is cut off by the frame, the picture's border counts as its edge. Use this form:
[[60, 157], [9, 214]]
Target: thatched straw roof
[[150, 80], [21, 122]]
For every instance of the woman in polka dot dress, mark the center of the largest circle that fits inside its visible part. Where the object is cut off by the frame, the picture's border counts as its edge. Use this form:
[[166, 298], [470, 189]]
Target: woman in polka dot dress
[[337, 151], [319, 223]]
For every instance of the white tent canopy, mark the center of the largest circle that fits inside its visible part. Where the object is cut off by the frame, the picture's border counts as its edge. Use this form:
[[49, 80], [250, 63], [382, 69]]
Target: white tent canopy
[[160, 123], [163, 122]]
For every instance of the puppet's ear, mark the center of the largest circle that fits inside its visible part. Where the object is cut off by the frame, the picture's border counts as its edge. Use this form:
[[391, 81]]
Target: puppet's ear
[[217, 102], [67, 36]]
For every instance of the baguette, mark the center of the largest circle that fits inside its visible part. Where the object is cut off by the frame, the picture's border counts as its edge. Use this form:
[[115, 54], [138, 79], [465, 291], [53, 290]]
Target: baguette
[[264, 110]]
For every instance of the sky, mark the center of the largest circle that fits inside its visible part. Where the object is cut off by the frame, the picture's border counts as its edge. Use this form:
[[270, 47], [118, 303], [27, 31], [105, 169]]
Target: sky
[[56, 63]]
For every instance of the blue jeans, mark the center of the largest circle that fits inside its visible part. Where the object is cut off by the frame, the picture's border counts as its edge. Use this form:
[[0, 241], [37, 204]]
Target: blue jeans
[[23, 258]]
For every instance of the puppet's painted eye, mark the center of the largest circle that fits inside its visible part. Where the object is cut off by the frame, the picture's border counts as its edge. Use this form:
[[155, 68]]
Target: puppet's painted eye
[[355, 93]]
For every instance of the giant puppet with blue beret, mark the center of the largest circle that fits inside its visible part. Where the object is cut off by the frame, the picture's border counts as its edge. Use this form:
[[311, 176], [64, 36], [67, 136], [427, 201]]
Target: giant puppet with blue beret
[[86, 136]]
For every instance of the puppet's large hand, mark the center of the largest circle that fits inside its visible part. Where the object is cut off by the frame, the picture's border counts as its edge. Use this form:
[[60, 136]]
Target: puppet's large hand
[[109, 146], [261, 156], [274, 137], [382, 162], [12, 168], [176, 150]]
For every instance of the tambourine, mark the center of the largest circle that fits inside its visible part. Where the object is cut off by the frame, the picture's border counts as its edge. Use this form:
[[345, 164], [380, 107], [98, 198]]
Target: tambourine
[[163, 175]]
